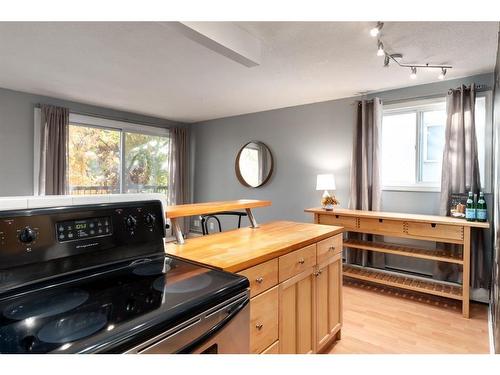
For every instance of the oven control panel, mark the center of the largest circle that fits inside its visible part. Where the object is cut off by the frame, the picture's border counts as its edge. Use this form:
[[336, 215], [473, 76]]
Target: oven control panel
[[121, 229], [75, 230]]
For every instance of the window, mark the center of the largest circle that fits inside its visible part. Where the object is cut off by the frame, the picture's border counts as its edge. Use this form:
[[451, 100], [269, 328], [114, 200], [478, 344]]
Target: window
[[106, 157], [413, 135]]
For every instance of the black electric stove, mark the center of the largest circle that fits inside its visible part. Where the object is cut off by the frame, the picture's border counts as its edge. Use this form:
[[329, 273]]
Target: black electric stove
[[94, 279]]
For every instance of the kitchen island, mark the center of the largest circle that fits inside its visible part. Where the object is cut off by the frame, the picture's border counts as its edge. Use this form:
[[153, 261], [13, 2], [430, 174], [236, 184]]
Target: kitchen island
[[295, 273]]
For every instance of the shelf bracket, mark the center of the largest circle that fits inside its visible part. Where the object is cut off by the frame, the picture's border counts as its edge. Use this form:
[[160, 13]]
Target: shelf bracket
[[177, 231], [251, 218]]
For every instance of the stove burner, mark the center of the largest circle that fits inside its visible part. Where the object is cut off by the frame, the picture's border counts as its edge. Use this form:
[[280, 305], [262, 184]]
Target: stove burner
[[45, 305], [72, 327], [184, 286], [150, 269]]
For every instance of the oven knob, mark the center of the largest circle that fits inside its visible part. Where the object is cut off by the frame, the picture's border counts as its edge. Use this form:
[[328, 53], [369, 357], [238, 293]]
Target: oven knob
[[131, 223], [150, 220], [130, 306], [27, 235], [28, 343]]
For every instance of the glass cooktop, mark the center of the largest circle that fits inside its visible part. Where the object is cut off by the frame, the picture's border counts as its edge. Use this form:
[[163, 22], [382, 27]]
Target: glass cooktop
[[98, 311]]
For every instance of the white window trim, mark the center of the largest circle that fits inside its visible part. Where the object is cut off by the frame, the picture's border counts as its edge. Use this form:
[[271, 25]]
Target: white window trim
[[37, 152], [85, 120], [430, 103], [488, 135], [130, 127], [416, 187]]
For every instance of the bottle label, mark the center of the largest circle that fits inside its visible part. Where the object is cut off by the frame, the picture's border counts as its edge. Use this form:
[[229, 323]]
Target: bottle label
[[481, 214], [470, 213]]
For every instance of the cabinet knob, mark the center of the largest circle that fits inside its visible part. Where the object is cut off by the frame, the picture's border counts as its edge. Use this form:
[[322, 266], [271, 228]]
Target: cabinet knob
[[259, 326], [331, 248], [259, 279], [301, 261]]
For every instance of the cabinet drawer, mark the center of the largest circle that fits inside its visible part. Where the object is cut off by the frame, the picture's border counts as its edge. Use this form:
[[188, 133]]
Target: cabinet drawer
[[262, 276], [273, 349], [341, 221], [263, 320], [296, 262], [438, 231], [381, 226], [326, 249]]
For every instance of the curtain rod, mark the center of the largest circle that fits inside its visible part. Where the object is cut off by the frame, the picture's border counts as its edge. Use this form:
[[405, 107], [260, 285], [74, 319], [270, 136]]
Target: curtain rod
[[139, 122], [479, 88], [358, 102]]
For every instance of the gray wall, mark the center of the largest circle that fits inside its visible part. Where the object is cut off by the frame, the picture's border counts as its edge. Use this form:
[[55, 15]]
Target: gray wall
[[305, 140], [16, 135]]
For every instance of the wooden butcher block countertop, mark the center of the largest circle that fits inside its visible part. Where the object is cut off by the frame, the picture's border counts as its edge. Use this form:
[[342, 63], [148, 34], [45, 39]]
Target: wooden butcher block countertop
[[242, 248]]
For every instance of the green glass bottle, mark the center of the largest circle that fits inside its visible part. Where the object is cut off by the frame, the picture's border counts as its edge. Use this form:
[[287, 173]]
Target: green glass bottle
[[481, 210], [470, 210]]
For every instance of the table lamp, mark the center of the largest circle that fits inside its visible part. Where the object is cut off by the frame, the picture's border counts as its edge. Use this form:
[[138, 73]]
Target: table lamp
[[326, 182]]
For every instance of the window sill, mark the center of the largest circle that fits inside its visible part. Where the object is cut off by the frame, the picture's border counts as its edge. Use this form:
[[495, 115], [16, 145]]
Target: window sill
[[416, 188]]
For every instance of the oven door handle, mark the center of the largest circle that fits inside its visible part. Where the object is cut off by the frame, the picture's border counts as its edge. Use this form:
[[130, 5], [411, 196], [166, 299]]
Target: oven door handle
[[231, 311], [194, 332]]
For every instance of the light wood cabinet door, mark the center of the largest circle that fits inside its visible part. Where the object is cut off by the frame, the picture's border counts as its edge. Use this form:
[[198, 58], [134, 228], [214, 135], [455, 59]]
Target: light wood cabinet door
[[263, 320], [328, 300], [273, 349], [297, 314]]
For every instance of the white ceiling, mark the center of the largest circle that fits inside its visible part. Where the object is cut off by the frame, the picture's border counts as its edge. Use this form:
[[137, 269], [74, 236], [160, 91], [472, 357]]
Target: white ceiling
[[151, 68]]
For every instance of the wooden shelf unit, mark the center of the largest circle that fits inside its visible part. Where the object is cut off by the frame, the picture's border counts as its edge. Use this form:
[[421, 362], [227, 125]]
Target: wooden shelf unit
[[421, 227], [404, 282], [408, 251]]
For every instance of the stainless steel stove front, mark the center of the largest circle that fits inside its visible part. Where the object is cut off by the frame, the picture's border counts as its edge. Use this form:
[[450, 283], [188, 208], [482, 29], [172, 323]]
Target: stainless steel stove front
[[224, 329]]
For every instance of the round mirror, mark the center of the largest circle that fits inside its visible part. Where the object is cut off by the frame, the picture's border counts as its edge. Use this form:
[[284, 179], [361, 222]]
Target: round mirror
[[254, 164]]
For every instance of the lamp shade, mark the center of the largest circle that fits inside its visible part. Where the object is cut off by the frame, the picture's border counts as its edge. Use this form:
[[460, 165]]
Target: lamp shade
[[325, 182]]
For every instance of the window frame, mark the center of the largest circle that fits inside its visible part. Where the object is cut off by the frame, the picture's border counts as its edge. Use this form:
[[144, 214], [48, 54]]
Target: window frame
[[418, 107], [430, 103], [97, 122], [121, 126]]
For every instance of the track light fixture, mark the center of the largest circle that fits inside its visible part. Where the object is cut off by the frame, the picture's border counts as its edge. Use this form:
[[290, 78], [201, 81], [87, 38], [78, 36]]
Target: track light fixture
[[376, 30], [386, 61], [413, 72], [442, 74], [380, 51], [388, 57]]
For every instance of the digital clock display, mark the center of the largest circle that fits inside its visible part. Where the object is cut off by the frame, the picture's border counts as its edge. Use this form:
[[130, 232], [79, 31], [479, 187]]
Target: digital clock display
[[72, 230]]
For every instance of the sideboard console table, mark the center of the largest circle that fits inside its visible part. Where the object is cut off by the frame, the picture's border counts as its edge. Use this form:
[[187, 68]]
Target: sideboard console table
[[421, 227]]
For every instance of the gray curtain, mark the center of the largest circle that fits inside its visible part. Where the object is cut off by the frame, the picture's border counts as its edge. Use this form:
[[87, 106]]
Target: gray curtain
[[365, 173], [179, 169], [53, 148], [460, 174]]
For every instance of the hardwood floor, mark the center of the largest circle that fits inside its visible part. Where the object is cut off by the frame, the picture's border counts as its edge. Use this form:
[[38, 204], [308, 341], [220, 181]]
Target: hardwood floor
[[383, 320]]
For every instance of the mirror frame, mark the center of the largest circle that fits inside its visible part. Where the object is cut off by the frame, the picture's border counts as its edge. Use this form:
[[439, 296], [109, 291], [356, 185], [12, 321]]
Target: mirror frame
[[237, 165]]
